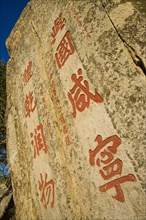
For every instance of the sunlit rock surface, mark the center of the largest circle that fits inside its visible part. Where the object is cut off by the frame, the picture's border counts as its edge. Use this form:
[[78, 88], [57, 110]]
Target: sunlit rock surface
[[76, 110]]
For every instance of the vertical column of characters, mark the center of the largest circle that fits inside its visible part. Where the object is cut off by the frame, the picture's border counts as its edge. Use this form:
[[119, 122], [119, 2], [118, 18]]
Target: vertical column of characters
[[79, 97], [64, 50], [37, 137], [61, 117]]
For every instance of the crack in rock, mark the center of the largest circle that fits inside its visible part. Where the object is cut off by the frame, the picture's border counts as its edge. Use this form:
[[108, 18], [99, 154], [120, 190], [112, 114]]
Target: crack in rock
[[134, 55], [33, 28]]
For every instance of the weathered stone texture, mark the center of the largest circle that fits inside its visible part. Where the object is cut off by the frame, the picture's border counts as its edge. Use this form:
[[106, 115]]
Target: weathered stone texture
[[108, 38]]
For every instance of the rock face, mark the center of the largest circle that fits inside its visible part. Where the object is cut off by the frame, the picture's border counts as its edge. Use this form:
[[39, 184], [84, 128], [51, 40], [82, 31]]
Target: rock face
[[6, 202], [76, 110]]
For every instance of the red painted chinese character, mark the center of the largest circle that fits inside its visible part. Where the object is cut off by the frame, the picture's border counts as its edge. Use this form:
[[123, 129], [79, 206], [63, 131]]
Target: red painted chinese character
[[38, 141], [65, 129], [112, 169], [67, 140], [62, 119], [30, 105], [27, 73], [53, 88], [64, 50], [106, 155], [116, 184], [113, 143], [47, 191], [58, 25], [82, 96]]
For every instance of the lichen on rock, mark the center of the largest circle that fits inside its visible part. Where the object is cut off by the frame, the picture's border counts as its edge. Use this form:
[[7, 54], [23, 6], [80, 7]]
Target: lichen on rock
[[76, 110]]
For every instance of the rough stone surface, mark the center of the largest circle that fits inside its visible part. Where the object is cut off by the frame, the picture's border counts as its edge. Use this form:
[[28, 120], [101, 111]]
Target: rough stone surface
[[5, 198], [106, 40]]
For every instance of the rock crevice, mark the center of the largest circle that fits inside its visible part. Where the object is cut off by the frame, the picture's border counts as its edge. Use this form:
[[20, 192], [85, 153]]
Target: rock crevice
[[137, 59]]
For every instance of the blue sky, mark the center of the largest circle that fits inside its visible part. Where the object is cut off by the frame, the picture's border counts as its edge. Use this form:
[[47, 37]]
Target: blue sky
[[10, 11]]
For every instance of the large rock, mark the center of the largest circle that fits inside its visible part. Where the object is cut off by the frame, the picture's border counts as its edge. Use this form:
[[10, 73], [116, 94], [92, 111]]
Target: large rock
[[76, 110]]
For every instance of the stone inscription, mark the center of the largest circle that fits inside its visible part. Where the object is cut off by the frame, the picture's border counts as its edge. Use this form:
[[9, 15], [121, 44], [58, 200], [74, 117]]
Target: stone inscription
[[46, 189], [64, 50], [42, 103], [30, 104], [75, 132], [109, 166], [58, 26], [79, 97], [77, 16], [62, 121], [78, 102], [27, 73], [37, 138]]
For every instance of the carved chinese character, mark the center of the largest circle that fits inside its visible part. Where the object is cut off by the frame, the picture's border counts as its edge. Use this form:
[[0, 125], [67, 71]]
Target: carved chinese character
[[117, 185], [80, 96], [106, 156], [58, 25], [59, 108], [62, 119], [64, 50], [112, 169], [27, 73], [111, 144], [38, 141], [30, 104], [47, 191], [67, 140], [53, 88], [65, 129], [105, 151]]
